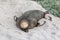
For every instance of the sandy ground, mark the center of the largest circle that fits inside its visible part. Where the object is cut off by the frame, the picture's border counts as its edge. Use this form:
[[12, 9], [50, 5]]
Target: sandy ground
[[9, 31]]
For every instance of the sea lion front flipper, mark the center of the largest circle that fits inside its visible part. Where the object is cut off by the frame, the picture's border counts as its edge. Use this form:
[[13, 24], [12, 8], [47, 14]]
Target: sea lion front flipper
[[15, 18]]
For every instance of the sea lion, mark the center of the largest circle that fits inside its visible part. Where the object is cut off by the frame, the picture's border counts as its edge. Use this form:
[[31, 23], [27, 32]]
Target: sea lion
[[30, 19]]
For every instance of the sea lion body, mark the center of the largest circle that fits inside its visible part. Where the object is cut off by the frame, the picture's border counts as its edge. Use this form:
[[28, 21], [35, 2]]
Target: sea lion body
[[32, 17]]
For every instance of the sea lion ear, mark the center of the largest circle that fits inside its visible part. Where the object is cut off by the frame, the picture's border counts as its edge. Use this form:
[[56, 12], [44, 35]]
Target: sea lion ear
[[15, 18]]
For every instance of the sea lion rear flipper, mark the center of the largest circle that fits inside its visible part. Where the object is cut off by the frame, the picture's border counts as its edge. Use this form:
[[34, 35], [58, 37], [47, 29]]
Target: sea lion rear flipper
[[42, 24]]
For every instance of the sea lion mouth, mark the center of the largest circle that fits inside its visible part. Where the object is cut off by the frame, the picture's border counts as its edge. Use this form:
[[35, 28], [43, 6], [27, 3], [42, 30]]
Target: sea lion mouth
[[24, 24]]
